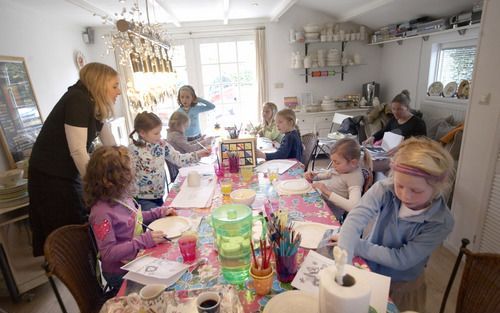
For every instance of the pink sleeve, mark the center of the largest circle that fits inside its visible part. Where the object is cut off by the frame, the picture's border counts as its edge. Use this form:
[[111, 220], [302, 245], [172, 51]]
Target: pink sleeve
[[151, 215], [109, 248]]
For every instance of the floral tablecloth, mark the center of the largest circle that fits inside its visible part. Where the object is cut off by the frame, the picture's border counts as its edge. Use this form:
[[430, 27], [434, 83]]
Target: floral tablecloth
[[305, 207]]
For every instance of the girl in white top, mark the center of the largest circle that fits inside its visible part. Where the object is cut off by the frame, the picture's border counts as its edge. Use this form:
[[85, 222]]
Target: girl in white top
[[343, 184]]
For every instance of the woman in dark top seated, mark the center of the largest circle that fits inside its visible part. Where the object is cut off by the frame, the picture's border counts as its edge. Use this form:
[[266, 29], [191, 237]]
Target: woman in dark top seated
[[403, 123]]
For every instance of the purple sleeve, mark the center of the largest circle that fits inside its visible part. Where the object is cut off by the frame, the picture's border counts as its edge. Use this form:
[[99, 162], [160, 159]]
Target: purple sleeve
[[109, 248], [151, 215]]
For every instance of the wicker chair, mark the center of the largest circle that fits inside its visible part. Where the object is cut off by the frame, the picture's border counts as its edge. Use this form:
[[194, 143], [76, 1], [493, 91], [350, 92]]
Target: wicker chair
[[71, 257], [480, 286], [309, 141]]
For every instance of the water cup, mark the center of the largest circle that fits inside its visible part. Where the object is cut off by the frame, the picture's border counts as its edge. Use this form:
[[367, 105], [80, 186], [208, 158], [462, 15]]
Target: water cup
[[208, 302], [246, 173], [226, 186], [286, 267], [272, 173], [187, 245], [153, 298]]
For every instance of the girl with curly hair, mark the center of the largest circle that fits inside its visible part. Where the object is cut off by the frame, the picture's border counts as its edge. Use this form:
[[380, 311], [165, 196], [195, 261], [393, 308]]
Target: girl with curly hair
[[116, 219]]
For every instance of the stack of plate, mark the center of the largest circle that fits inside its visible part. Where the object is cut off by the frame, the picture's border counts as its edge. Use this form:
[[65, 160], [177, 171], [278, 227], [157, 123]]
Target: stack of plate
[[328, 104], [15, 195]]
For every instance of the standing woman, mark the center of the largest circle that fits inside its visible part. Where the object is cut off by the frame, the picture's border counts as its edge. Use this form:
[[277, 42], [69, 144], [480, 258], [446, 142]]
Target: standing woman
[[61, 151]]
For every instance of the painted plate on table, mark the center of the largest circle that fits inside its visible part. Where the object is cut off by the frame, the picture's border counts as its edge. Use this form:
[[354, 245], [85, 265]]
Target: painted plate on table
[[435, 89], [172, 226], [293, 301], [311, 233], [450, 89], [294, 186]]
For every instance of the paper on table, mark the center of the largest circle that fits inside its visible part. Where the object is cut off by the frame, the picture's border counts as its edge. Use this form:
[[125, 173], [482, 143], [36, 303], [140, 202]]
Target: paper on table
[[150, 270], [307, 279], [195, 197], [282, 165], [391, 140]]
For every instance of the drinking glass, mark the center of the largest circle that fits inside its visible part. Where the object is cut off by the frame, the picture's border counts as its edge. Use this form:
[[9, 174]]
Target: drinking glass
[[226, 186], [187, 245], [272, 173]]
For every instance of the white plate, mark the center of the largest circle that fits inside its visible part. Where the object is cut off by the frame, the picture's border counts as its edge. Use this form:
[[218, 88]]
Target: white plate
[[295, 185], [450, 89], [311, 233], [20, 184], [172, 226], [435, 89], [293, 301]]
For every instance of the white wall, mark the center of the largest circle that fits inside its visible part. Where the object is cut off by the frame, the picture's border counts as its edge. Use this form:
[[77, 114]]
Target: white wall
[[279, 52], [47, 43], [481, 142]]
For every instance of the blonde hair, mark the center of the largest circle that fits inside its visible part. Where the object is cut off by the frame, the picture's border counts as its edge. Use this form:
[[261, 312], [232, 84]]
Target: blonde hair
[[428, 159], [177, 119], [144, 121], [95, 77], [109, 175], [350, 149], [272, 107], [191, 91]]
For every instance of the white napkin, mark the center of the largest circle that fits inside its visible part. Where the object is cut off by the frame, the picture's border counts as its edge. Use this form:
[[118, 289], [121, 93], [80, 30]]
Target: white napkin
[[195, 197]]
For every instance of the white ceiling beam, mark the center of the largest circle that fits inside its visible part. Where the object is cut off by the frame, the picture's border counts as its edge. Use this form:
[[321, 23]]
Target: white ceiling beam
[[225, 6], [281, 9], [363, 9], [87, 6], [173, 19]]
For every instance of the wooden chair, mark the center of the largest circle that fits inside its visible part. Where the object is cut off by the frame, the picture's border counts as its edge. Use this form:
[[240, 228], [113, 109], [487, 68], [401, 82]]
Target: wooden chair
[[309, 141], [479, 289], [71, 257]]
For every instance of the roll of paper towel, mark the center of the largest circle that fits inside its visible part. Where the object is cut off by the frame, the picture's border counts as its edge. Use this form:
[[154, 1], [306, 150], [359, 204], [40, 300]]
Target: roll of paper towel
[[334, 298]]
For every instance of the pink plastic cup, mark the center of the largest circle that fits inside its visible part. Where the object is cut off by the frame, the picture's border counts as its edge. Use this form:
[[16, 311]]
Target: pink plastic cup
[[187, 245]]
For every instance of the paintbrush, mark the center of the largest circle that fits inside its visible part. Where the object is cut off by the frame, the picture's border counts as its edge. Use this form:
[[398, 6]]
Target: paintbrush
[[202, 146]]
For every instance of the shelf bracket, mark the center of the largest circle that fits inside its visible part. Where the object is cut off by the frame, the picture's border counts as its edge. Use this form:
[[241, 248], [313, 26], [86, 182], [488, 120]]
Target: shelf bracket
[[461, 32], [425, 38], [400, 42]]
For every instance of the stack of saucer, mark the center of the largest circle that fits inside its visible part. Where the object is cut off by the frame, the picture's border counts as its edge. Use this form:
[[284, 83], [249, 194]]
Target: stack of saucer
[[15, 195], [328, 104], [333, 57]]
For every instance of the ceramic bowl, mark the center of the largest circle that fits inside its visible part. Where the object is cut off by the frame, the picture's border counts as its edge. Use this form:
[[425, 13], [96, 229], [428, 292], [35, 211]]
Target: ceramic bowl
[[312, 36], [10, 177], [243, 196]]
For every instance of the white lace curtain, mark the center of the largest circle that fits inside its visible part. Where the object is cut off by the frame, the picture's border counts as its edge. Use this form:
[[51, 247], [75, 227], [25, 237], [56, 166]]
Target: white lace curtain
[[260, 47]]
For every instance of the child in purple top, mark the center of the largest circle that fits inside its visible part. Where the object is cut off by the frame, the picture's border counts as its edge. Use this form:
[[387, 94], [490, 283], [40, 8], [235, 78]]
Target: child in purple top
[[115, 217]]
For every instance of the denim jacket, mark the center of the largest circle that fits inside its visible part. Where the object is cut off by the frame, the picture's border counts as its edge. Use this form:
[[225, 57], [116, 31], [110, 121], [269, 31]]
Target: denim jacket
[[396, 247]]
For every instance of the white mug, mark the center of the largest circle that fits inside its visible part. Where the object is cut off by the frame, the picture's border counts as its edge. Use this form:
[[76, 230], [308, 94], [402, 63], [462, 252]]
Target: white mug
[[153, 298], [193, 179]]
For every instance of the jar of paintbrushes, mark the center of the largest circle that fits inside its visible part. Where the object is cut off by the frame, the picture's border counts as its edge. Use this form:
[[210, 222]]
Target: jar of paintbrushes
[[285, 242], [261, 269], [234, 162]]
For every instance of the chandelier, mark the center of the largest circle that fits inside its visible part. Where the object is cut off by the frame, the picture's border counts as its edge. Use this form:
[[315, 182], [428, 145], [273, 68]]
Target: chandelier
[[143, 48]]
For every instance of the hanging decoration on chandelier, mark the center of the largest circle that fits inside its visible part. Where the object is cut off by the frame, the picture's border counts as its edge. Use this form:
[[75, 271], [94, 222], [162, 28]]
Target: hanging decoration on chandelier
[[143, 48]]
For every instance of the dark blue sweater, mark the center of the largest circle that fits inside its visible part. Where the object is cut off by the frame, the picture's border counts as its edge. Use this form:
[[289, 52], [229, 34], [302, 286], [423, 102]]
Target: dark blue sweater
[[290, 148]]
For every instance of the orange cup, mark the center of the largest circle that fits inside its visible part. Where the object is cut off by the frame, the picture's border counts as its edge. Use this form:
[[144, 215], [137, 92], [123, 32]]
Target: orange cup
[[262, 283]]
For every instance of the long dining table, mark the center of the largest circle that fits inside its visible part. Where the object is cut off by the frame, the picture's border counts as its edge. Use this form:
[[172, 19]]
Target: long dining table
[[305, 207]]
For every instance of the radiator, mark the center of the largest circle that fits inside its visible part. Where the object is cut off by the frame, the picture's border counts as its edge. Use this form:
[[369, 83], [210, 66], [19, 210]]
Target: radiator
[[434, 110]]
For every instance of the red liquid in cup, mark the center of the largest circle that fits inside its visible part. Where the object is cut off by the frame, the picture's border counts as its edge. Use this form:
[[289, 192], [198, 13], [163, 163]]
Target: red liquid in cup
[[187, 245]]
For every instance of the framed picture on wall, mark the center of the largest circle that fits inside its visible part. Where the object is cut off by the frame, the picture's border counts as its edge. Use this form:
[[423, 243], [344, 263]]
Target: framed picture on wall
[[20, 119]]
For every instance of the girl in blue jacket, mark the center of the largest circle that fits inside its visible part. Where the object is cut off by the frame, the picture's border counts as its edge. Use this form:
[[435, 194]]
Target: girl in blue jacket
[[411, 220]]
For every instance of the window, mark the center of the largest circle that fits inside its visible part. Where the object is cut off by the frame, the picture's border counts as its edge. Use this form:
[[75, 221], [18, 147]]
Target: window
[[455, 64]]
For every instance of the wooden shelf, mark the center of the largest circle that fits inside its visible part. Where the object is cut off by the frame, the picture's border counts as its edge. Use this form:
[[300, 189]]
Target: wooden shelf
[[461, 30]]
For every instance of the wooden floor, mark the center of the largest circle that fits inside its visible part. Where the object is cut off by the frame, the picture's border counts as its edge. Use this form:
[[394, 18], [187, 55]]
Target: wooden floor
[[42, 299]]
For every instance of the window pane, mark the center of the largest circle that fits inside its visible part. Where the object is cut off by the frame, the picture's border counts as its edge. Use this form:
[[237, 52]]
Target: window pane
[[229, 73], [213, 93], [182, 78], [209, 53], [178, 56], [210, 74], [246, 73], [229, 93], [227, 51], [246, 51], [456, 64]]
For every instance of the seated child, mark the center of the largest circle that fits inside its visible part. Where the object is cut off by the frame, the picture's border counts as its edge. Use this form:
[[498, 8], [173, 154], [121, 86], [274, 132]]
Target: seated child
[[177, 125], [268, 128], [343, 185], [115, 218], [291, 145], [411, 220]]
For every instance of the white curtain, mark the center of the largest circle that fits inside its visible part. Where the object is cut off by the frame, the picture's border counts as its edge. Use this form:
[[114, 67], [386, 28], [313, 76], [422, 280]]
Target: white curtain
[[260, 47]]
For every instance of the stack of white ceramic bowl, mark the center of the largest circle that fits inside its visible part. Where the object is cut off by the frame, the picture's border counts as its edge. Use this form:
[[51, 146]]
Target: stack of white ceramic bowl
[[321, 58], [333, 57], [328, 104], [312, 32]]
